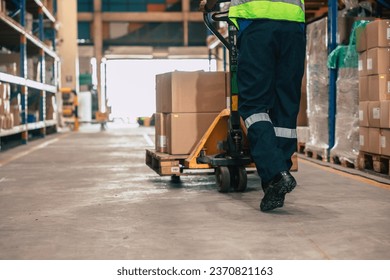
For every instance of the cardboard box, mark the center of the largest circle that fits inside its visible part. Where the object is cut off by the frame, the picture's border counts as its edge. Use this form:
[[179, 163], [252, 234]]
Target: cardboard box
[[5, 90], [378, 61], [2, 107], [160, 132], [378, 34], [374, 139], [363, 88], [100, 117], [374, 113], [385, 114], [363, 113], [190, 92], [362, 64], [184, 131], [385, 142], [16, 111], [2, 122], [379, 87], [361, 39], [363, 139], [7, 121]]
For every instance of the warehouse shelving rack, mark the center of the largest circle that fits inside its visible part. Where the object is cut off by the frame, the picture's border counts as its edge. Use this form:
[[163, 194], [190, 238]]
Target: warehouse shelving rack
[[17, 39]]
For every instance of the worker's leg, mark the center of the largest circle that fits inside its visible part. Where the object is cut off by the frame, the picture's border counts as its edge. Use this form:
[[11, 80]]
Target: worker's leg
[[256, 85], [289, 72]]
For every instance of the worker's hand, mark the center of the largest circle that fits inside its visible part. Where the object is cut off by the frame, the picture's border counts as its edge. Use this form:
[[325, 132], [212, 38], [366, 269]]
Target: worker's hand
[[202, 4], [207, 5]]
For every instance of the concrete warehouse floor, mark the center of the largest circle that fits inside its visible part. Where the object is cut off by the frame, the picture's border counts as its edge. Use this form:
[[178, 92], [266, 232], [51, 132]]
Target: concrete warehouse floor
[[89, 195]]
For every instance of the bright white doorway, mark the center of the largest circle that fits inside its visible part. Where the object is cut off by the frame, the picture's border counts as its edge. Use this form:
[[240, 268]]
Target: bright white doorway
[[131, 86]]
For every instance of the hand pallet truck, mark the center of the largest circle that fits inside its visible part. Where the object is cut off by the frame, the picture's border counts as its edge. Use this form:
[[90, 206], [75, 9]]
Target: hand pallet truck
[[224, 146]]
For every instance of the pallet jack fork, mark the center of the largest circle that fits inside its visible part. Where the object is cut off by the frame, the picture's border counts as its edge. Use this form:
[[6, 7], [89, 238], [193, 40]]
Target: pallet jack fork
[[229, 165]]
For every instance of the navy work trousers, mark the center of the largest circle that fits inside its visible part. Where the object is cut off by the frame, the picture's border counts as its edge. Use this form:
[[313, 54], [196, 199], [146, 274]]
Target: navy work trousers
[[270, 69]]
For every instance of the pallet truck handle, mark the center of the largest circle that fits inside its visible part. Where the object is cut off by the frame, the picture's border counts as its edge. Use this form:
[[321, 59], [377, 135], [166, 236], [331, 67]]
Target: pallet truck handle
[[210, 16], [209, 5]]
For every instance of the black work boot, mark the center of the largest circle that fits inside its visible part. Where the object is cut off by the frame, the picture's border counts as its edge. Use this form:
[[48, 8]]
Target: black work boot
[[276, 191]]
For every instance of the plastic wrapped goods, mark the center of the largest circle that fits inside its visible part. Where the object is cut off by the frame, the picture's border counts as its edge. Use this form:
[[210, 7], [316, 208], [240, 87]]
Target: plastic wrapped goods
[[346, 147], [317, 84]]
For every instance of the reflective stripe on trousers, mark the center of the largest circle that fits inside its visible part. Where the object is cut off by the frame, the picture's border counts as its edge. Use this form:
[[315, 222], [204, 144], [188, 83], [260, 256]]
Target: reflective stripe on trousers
[[279, 131]]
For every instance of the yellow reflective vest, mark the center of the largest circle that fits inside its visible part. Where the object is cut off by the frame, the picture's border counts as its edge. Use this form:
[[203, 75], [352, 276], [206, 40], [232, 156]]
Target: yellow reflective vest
[[290, 10]]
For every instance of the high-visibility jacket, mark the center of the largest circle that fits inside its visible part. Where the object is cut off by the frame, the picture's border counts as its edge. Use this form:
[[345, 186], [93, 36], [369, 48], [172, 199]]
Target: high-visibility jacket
[[290, 10]]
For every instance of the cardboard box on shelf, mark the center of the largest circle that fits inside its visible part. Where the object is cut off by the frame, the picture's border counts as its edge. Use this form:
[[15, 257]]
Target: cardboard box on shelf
[[8, 121], [2, 120], [184, 131], [379, 87], [374, 145], [378, 34], [51, 107], [160, 132], [385, 142], [5, 91], [2, 109], [190, 92], [5, 106], [363, 139], [362, 64], [374, 113], [363, 113], [361, 38], [15, 111], [385, 114], [378, 61], [363, 88]]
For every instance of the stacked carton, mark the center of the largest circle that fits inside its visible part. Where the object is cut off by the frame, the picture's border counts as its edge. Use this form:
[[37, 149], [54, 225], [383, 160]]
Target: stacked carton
[[186, 105], [6, 114], [373, 43]]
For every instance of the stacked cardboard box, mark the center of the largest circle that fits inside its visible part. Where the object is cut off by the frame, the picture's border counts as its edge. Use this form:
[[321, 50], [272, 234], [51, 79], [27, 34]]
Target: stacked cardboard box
[[51, 107], [6, 115], [373, 43], [186, 105]]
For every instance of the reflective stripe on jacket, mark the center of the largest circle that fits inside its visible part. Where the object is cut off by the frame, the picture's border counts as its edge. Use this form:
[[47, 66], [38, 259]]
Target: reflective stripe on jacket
[[291, 10]]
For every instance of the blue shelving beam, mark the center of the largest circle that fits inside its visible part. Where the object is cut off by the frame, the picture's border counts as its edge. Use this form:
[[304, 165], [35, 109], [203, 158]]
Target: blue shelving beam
[[332, 27], [23, 70]]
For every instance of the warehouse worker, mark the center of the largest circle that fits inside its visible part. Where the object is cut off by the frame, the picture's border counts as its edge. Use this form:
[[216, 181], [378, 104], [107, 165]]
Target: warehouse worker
[[271, 44]]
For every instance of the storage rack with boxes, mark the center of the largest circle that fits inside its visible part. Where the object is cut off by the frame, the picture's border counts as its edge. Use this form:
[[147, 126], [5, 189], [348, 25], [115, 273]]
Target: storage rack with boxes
[[373, 45], [28, 69], [342, 97]]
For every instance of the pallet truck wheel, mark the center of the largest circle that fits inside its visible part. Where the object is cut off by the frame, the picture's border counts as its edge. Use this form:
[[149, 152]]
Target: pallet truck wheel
[[222, 176], [175, 179], [238, 178]]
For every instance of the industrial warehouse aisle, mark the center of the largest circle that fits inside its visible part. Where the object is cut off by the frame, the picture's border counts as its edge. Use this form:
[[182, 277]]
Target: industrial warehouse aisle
[[89, 195]]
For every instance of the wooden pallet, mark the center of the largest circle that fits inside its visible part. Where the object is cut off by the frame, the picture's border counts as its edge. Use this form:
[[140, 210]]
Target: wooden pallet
[[344, 162], [165, 164], [317, 154], [377, 163]]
